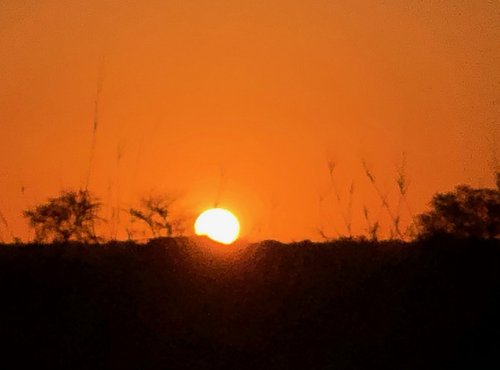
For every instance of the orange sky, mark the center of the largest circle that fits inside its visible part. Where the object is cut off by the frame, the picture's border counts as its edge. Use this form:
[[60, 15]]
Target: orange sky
[[255, 95]]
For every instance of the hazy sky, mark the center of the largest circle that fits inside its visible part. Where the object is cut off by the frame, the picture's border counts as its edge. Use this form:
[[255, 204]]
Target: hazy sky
[[247, 101]]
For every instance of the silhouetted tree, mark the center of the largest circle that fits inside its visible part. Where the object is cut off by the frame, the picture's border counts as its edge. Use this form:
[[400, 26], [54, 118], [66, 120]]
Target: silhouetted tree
[[70, 216], [154, 212], [463, 213]]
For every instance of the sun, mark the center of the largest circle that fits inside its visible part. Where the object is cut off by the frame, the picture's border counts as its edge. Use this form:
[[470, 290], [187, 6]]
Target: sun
[[218, 224]]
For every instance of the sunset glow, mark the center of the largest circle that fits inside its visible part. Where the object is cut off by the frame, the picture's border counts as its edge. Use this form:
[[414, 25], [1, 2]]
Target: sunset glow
[[249, 102], [250, 184], [219, 225]]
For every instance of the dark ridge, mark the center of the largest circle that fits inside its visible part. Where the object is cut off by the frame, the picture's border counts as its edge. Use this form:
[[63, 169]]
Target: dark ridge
[[192, 304]]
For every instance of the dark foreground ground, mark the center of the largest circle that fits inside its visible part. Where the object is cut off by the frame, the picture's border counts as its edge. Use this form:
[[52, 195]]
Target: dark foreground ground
[[172, 304]]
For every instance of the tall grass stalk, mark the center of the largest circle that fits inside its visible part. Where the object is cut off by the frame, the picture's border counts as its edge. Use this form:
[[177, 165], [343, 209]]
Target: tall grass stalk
[[116, 209], [349, 207], [403, 185], [346, 216], [95, 125], [372, 228], [4, 222], [220, 188], [321, 229], [395, 218]]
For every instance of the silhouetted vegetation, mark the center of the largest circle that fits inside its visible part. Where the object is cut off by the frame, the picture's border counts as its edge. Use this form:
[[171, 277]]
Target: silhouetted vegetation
[[193, 304], [396, 230], [155, 213], [177, 304], [70, 216], [463, 213]]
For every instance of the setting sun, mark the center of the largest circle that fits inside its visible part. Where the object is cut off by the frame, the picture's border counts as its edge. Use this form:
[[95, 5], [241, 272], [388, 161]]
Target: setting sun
[[218, 224]]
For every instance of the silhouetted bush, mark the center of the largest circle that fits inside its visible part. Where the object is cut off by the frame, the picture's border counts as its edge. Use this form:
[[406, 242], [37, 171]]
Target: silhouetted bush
[[463, 213], [155, 213], [70, 216]]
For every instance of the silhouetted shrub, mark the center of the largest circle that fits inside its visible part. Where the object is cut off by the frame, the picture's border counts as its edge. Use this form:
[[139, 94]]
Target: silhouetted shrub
[[154, 212], [463, 213], [70, 216]]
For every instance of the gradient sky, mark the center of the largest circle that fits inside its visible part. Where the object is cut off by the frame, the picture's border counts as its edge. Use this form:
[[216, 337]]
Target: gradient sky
[[247, 102]]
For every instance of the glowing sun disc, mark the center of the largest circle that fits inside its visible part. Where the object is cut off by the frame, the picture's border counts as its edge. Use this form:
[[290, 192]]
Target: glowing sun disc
[[218, 224]]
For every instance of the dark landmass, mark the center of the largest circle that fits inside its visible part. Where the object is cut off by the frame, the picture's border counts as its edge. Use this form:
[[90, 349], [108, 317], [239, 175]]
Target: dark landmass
[[180, 304]]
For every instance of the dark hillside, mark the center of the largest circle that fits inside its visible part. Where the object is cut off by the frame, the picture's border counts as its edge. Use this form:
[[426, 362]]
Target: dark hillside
[[174, 304]]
